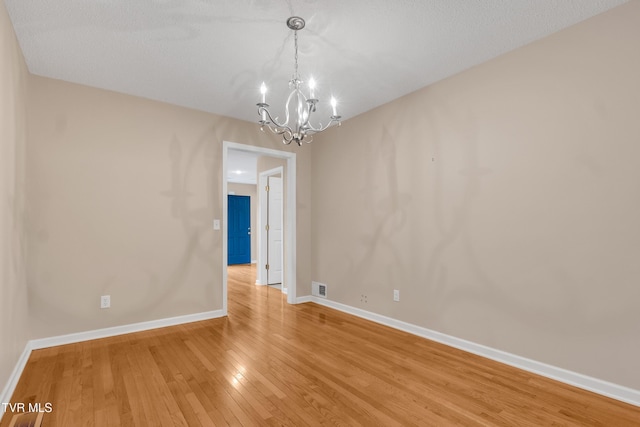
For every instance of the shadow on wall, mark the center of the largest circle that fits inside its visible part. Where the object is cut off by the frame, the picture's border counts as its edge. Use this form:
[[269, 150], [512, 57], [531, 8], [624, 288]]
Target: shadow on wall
[[387, 206], [454, 233], [452, 269], [192, 199], [455, 227]]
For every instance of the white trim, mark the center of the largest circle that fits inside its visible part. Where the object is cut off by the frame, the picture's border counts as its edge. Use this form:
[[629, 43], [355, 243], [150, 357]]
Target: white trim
[[10, 387], [605, 388], [92, 335], [290, 223], [261, 273], [290, 230], [124, 329], [225, 259]]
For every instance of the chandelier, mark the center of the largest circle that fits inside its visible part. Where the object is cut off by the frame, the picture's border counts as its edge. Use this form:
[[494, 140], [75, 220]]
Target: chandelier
[[298, 108]]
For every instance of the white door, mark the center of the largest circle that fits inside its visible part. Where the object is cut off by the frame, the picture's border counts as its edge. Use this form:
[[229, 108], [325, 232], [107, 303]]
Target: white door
[[274, 234]]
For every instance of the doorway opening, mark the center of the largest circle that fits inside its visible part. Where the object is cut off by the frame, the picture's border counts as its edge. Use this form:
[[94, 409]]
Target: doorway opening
[[288, 240]]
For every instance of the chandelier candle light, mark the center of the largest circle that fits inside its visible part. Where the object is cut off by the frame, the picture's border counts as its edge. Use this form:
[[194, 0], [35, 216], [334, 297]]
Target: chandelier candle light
[[296, 127]]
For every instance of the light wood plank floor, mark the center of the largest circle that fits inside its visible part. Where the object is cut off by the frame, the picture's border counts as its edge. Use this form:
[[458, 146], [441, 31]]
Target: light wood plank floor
[[270, 363]]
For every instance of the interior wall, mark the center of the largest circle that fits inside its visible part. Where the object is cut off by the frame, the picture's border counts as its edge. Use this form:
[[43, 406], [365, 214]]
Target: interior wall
[[122, 196], [503, 203], [249, 190], [14, 322]]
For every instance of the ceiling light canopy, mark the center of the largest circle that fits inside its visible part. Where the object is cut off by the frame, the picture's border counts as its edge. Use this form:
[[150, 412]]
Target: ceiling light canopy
[[298, 108]]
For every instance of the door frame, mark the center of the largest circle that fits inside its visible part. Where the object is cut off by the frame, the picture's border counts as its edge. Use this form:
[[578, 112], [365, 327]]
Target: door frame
[[290, 215], [261, 276]]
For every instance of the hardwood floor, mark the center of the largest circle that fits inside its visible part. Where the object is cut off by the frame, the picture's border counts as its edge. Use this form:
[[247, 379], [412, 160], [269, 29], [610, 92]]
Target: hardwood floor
[[270, 363]]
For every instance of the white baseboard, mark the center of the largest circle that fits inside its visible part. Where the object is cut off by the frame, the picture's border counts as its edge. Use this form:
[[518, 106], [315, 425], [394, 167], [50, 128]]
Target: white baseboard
[[124, 329], [585, 382], [92, 335], [10, 387]]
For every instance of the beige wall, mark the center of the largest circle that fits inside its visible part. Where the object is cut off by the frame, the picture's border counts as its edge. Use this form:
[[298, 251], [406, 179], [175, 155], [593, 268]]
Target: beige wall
[[122, 193], [14, 319], [503, 203], [251, 191]]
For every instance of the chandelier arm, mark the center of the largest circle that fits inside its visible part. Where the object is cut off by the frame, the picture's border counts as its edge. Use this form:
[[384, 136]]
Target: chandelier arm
[[287, 133], [262, 109], [310, 108], [296, 90], [310, 129], [280, 128], [287, 136]]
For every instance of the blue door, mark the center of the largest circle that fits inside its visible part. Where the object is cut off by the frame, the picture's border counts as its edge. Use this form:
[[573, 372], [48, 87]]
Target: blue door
[[239, 230]]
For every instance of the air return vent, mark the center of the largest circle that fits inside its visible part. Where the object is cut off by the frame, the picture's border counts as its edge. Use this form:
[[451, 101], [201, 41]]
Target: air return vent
[[27, 419], [318, 289]]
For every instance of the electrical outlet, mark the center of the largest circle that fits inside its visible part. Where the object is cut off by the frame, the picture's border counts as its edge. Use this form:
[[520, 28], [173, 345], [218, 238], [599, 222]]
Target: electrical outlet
[[105, 301], [396, 294]]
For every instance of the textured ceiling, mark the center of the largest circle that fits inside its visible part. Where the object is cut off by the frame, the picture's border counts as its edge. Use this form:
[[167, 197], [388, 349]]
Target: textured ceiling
[[213, 55]]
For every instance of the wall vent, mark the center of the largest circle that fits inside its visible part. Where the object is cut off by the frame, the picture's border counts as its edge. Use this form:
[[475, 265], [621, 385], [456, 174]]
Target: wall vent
[[27, 419], [318, 289]]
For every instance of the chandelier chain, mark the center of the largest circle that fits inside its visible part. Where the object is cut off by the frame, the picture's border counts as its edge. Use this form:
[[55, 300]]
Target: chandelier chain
[[295, 41]]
